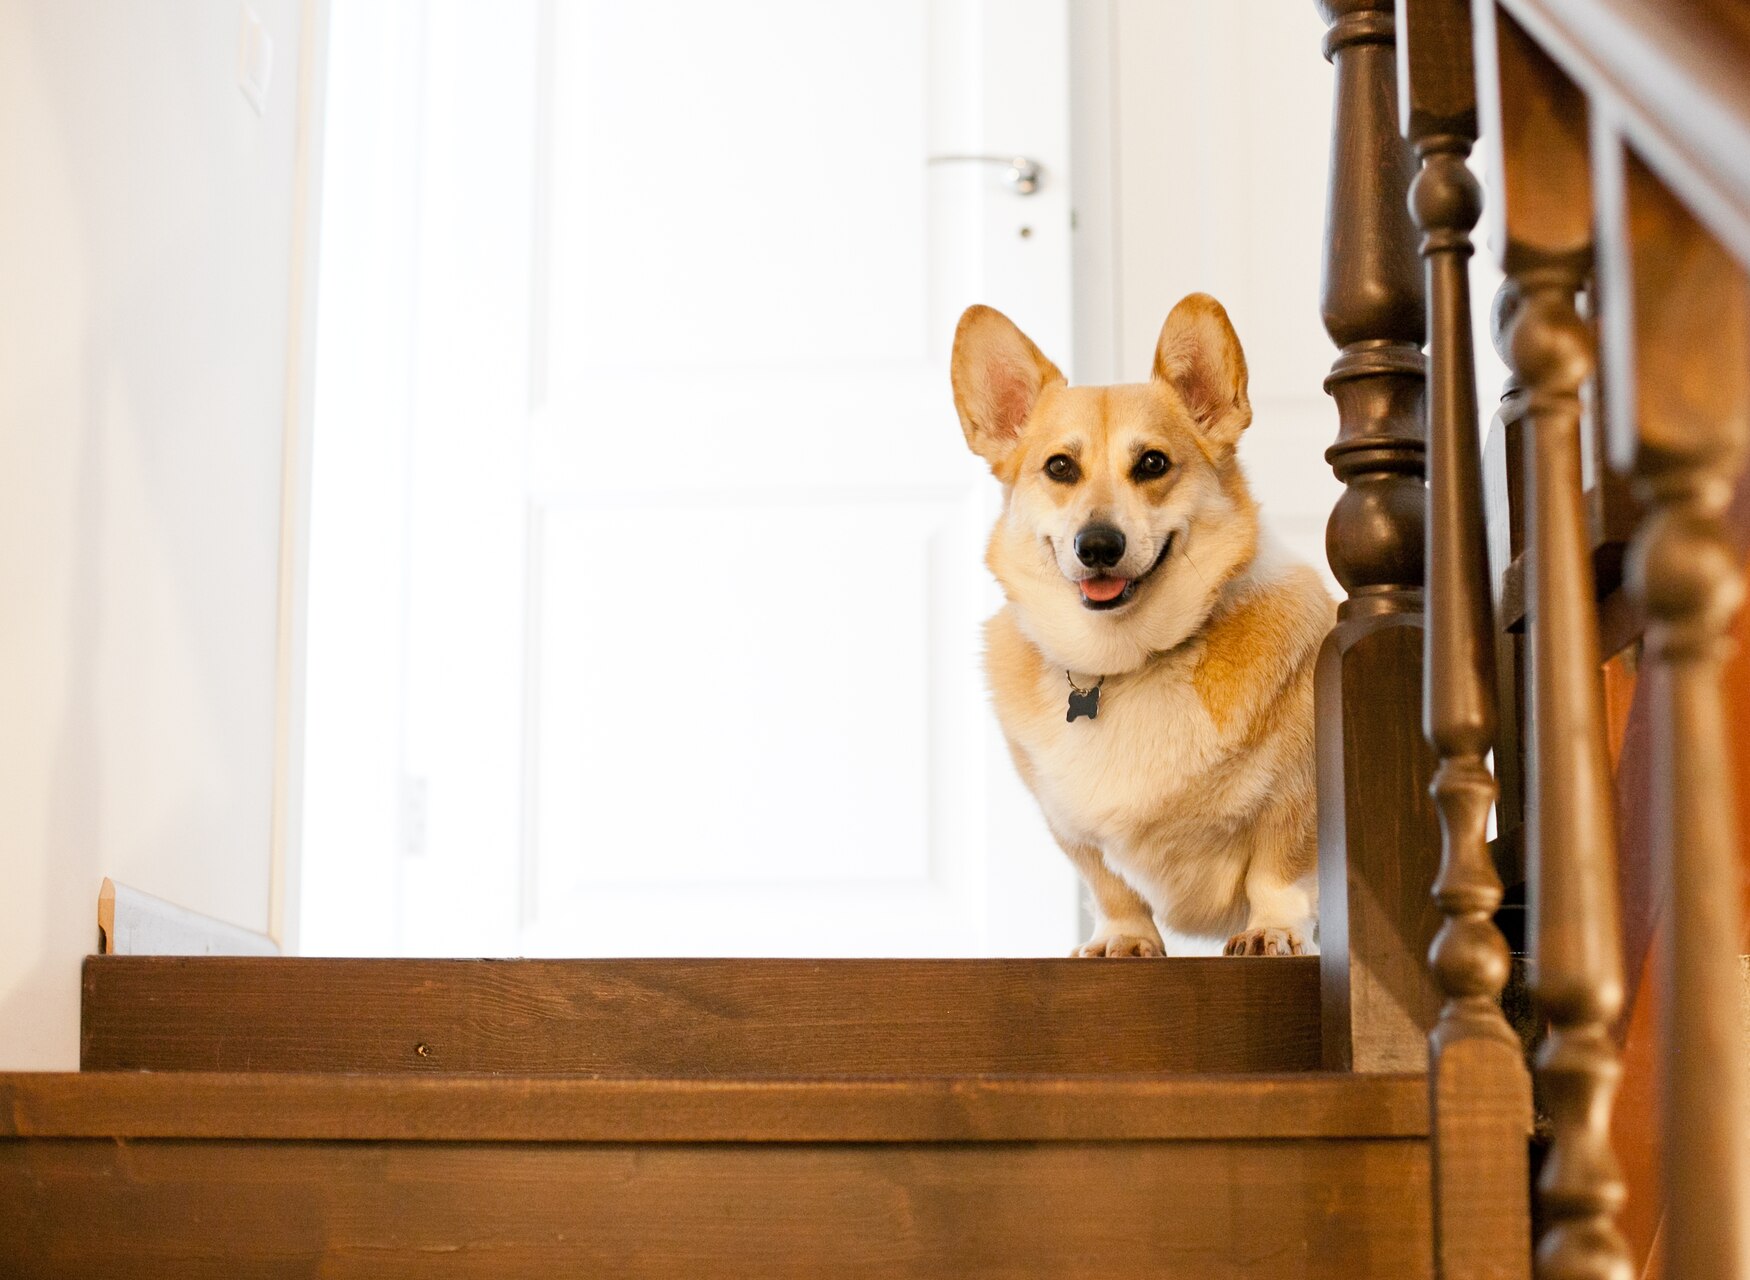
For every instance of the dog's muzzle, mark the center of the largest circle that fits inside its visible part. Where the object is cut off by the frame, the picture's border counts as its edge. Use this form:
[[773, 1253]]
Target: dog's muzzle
[[1097, 592]]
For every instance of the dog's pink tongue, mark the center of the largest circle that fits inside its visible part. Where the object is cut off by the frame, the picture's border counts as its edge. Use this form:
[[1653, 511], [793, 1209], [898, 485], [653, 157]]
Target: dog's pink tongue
[[1104, 589]]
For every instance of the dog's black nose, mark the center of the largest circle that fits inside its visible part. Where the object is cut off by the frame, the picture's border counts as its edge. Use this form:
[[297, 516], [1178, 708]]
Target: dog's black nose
[[1100, 546]]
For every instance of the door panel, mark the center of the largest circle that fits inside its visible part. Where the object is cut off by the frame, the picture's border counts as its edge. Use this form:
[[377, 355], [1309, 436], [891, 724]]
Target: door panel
[[760, 719], [767, 209], [703, 678], [700, 740]]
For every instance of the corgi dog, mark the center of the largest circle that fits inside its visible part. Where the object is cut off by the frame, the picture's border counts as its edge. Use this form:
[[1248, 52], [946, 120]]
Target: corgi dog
[[1152, 668]]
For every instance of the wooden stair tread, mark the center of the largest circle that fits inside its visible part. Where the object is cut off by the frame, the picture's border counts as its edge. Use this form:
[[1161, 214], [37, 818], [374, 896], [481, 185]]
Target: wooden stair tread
[[192, 1175], [635, 1017], [392, 1108]]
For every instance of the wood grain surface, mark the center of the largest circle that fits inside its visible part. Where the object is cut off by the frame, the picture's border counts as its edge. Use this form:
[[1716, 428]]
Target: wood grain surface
[[1192, 1211], [191, 1175], [263, 1105], [700, 1017]]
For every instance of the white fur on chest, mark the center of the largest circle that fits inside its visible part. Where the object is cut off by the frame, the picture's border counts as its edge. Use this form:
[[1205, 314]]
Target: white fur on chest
[[1150, 743], [1165, 794]]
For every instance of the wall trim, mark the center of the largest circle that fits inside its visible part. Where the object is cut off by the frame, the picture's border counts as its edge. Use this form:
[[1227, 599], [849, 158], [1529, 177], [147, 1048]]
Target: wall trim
[[132, 923], [294, 549]]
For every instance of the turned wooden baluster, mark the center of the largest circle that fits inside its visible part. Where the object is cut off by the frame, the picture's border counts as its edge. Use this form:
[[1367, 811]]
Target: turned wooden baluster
[[1571, 837], [1677, 332], [1541, 121], [1378, 839], [1504, 481], [1479, 1090]]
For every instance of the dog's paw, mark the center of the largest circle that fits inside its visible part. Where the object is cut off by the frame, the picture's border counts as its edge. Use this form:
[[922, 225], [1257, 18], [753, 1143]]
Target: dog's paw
[[1265, 942], [1120, 944]]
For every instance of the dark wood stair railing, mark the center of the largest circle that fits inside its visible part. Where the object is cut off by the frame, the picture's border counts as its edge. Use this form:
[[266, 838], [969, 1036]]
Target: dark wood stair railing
[[1543, 195], [1623, 128], [1678, 337], [1378, 836], [1479, 1090]]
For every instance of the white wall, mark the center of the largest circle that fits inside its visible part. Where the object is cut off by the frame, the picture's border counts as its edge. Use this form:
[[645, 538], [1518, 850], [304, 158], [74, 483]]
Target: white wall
[[147, 266]]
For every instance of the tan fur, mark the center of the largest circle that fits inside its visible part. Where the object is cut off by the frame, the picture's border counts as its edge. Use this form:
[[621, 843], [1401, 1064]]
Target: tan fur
[[1189, 802], [1244, 640]]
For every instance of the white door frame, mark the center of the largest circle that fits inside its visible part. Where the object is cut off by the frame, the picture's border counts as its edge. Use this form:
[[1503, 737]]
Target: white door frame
[[286, 823]]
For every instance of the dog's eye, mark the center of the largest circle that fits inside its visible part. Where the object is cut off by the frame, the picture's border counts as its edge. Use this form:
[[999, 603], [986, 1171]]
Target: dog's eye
[[1062, 468], [1151, 464]]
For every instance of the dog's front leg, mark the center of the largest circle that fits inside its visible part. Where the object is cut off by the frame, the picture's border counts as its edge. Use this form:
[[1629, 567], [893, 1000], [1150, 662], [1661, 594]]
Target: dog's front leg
[[1123, 923], [1282, 883], [1280, 912]]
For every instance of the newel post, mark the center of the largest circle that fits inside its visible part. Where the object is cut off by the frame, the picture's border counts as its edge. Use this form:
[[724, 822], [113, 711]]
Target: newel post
[[1378, 840], [1479, 1089]]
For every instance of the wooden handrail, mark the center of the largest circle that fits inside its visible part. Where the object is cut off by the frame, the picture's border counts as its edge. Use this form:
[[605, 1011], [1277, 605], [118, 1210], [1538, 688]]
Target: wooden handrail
[[1670, 74], [1479, 1091]]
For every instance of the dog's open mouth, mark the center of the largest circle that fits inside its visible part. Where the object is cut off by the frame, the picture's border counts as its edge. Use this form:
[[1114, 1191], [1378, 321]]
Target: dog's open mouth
[[1106, 593], [1114, 593]]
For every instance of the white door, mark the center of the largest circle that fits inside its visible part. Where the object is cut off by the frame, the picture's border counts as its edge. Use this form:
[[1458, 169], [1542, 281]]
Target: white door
[[692, 547]]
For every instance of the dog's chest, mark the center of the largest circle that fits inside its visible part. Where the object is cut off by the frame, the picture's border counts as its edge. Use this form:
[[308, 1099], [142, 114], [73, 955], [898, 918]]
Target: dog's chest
[[1150, 747]]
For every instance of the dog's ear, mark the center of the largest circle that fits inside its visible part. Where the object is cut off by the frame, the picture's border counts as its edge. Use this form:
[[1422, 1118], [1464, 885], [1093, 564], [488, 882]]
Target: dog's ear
[[998, 374], [1199, 356]]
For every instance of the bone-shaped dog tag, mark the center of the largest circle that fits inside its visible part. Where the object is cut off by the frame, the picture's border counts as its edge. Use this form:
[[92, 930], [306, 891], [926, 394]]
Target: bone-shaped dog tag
[[1084, 703]]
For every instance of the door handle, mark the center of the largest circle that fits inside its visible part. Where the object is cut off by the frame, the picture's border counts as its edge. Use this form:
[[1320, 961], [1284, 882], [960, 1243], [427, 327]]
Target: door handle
[[1023, 176]]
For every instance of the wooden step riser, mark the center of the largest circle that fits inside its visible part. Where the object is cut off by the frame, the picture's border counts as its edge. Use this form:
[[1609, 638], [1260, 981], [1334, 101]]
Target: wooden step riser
[[701, 1017], [1190, 1210], [131, 1106], [186, 1174]]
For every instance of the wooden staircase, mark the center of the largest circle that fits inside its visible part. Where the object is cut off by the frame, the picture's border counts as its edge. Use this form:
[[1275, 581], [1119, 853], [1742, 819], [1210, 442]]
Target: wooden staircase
[[385, 1118], [389, 1118]]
